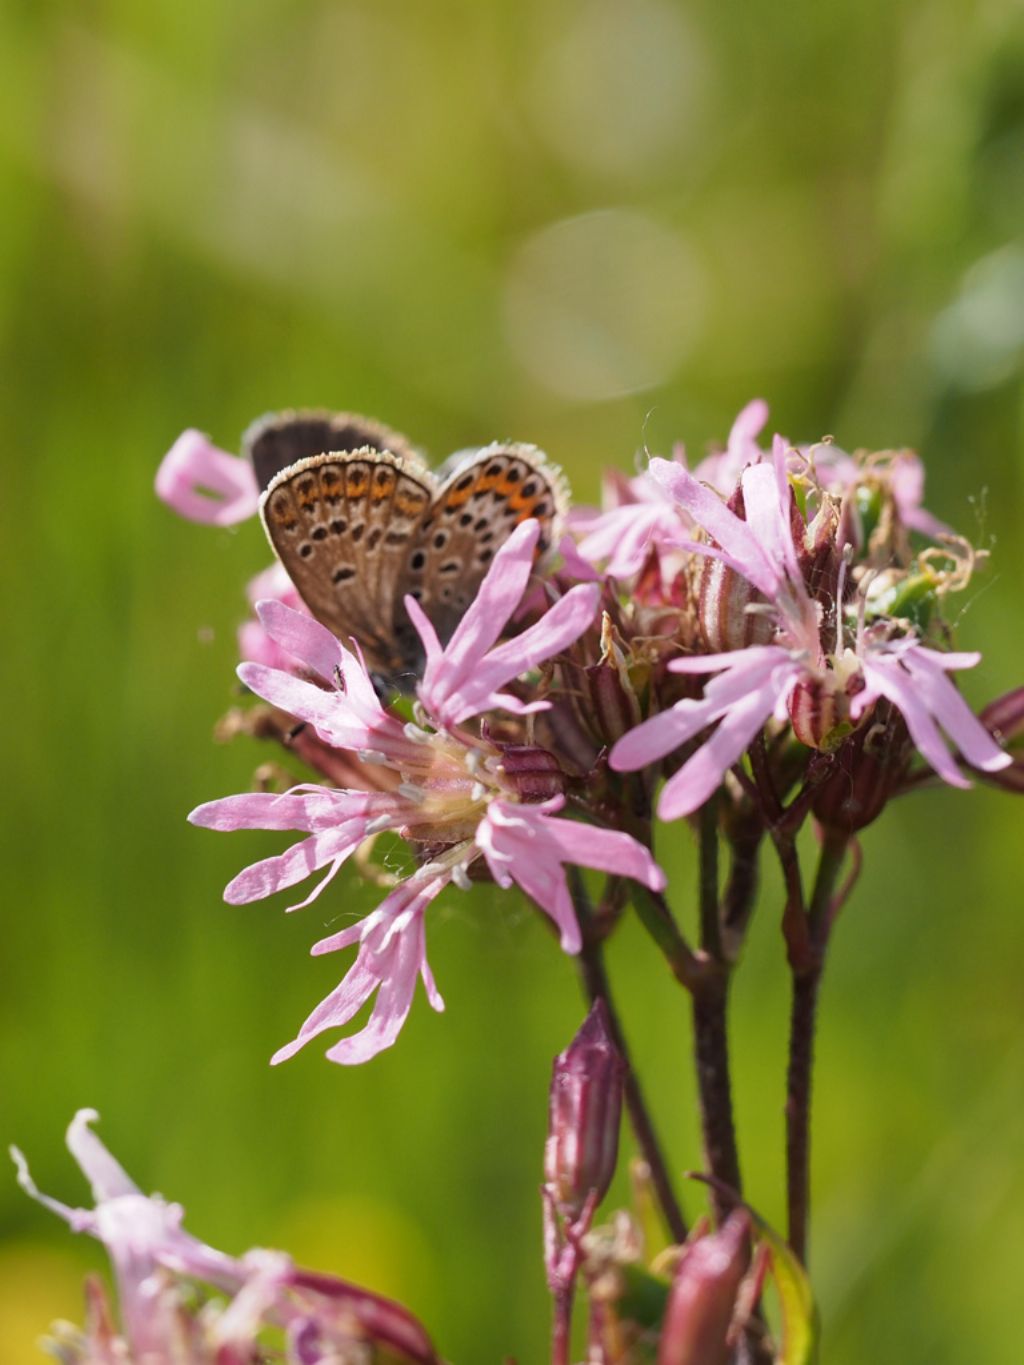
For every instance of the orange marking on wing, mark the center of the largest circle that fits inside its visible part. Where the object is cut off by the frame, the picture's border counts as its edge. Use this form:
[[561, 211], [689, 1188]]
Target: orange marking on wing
[[357, 481], [410, 504], [383, 484], [529, 503], [458, 496], [485, 483]]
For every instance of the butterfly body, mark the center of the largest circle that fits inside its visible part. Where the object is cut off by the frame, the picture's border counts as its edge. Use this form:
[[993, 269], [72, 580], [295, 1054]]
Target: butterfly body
[[358, 529]]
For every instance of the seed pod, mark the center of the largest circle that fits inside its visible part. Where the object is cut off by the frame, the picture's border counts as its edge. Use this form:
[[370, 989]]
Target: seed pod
[[869, 765]]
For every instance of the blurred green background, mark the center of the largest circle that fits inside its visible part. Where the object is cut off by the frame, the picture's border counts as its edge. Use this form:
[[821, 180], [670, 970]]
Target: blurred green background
[[582, 223]]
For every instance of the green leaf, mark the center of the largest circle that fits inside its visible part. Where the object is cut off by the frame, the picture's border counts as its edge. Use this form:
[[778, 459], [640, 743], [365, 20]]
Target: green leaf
[[800, 1329]]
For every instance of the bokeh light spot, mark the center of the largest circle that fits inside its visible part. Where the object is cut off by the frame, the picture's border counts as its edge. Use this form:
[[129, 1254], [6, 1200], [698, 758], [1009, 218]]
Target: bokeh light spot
[[604, 304]]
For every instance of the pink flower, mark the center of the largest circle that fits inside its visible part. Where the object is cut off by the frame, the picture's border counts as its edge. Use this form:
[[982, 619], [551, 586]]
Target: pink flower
[[899, 473], [753, 685], [459, 798], [156, 1264], [194, 469], [465, 677], [644, 515]]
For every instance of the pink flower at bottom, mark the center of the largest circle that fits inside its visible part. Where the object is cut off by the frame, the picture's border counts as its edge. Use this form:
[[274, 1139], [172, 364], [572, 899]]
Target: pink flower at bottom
[[157, 1264]]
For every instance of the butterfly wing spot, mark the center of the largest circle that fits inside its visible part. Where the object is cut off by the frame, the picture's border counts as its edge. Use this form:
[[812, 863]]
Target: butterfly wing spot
[[343, 573], [333, 484], [282, 513], [417, 560], [306, 492], [356, 534], [305, 549], [374, 538], [450, 566], [339, 526], [440, 540]]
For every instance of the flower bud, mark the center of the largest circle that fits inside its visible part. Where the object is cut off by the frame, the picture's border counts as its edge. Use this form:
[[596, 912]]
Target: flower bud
[[1004, 719], [533, 773], [819, 713], [613, 708], [727, 604], [584, 1109], [703, 1297]]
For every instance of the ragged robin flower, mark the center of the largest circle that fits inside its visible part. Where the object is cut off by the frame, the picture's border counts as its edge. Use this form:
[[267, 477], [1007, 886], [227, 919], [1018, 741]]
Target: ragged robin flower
[[812, 660], [466, 801]]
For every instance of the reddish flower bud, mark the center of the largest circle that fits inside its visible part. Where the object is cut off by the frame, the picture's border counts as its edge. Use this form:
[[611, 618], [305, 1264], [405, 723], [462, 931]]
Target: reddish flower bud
[[583, 1115], [724, 602], [1004, 719], [819, 713], [533, 773], [703, 1296]]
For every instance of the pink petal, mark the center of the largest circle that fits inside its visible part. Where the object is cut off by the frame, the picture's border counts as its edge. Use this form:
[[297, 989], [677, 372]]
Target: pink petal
[[487, 615], [193, 465], [390, 970], [746, 671], [952, 712], [560, 626], [702, 774], [709, 511], [299, 635], [746, 428], [888, 677], [319, 809], [606, 850], [768, 516], [425, 629], [296, 864]]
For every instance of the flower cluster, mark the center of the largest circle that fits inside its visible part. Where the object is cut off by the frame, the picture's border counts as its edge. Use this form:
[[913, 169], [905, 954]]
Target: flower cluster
[[764, 629]]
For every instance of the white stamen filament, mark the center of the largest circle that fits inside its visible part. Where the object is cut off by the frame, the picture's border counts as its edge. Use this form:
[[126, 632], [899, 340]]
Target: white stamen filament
[[378, 823], [416, 733]]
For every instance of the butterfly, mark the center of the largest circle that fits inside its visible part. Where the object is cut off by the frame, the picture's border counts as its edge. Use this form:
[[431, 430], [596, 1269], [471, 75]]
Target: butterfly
[[359, 521]]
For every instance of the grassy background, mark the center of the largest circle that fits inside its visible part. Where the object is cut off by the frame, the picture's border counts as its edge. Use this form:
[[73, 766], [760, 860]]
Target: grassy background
[[577, 222]]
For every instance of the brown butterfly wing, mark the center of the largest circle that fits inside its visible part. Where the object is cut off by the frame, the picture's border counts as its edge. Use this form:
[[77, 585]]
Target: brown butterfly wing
[[281, 439], [342, 525], [475, 511]]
